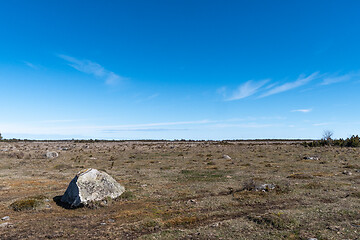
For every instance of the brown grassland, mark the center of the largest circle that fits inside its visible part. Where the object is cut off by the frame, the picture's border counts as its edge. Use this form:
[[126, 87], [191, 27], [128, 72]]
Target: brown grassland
[[184, 190]]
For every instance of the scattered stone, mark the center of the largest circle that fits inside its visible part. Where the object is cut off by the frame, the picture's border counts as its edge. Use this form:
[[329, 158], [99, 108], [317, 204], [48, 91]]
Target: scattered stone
[[6, 225], [265, 187], [192, 201], [227, 157], [52, 154], [91, 185], [251, 185], [311, 158], [5, 218], [312, 239], [111, 220], [214, 225], [347, 172]]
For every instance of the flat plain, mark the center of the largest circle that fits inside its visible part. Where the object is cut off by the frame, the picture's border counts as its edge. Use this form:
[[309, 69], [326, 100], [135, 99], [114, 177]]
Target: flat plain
[[184, 190]]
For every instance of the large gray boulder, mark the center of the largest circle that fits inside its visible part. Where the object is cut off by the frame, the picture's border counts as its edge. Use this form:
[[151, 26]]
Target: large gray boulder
[[91, 185]]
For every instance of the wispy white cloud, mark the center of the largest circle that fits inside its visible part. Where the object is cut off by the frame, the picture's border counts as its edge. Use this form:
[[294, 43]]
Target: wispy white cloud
[[322, 124], [152, 96], [147, 98], [62, 120], [29, 64], [89, 130], [302, 110], [62, 127], [244, 125], [302, 80], [341, 78], [221, 91], [145, 130], [247, 89], [93, 68], [163, 124]]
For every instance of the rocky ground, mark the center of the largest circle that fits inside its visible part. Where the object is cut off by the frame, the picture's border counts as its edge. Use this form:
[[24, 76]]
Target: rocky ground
[[183, 190]]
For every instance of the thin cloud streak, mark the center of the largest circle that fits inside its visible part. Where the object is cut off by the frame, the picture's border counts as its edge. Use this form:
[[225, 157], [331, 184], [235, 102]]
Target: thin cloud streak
[[302, 110], [291, 85], [321, 124], [92, 68], [247, 89], [29, 64], [245, 125], [145, 130], [94, 130], [61, 121], [83, 129], [341, 78]]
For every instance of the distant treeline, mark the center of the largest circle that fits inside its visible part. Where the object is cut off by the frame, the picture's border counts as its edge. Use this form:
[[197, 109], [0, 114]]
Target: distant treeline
[[158, 140], [353, 141]]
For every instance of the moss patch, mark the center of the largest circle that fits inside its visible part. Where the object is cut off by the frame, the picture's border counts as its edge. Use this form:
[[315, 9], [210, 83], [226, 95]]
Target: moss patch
[[29, 203]]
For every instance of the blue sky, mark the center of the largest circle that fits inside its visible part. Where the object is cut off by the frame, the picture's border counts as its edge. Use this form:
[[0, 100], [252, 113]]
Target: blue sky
[[179, 69]]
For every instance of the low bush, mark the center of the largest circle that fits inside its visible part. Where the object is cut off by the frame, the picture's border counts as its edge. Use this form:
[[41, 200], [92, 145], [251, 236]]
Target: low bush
[[353, 141]]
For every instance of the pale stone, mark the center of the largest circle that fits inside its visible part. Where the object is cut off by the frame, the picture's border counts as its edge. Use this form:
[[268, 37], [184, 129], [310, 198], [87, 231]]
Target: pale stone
[[6, 224], [227, 157], [52, 154], [91, 185]]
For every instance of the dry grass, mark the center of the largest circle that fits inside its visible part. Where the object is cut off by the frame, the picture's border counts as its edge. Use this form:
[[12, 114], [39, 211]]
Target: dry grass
[[184, 190]]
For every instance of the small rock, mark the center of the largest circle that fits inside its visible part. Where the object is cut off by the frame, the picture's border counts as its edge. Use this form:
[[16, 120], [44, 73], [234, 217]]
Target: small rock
[[265, 187], [347, 172], [102, 223], [5, 218], [6, 224], [311, 158], [227, 157], [52, 154], [215, 225], [312, 239], [111, 220]]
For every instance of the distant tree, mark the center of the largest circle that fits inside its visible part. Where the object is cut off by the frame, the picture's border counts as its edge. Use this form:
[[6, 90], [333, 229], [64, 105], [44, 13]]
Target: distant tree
[[327, 135], [0, 137]]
